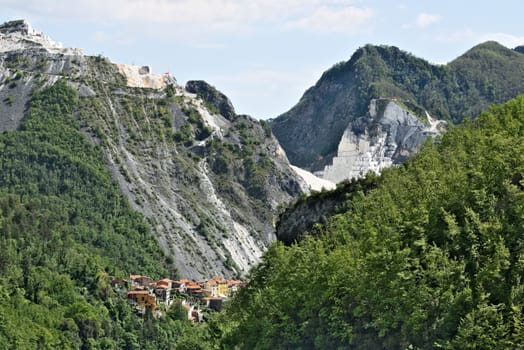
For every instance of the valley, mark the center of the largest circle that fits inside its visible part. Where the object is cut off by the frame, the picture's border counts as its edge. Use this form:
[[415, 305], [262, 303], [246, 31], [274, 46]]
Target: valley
[[383, 211]]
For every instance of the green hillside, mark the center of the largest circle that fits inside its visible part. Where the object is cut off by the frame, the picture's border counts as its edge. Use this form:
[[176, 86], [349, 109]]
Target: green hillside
[[65, 228], [432, 258]]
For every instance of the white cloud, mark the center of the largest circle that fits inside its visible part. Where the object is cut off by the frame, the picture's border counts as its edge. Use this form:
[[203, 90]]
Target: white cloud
[[467, 35], [425, 20], [348, 19], [203, 15]]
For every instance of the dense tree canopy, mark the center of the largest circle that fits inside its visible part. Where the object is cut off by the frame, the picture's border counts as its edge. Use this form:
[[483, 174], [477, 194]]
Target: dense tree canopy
[[431, 258], [64, 228]]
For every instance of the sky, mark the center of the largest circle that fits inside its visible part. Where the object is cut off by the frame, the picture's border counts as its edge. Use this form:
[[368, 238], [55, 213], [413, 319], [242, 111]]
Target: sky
[[263, 54]]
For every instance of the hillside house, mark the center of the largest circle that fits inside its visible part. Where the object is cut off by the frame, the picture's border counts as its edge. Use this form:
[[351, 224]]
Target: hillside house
[[163, 294], [217, 287], [165, 282], [214, 303], [193, 313], [233, 287], [140, 281], [179, 286], [222, 287], [211, 288], [194, 290], [119, 285], [143, 299]]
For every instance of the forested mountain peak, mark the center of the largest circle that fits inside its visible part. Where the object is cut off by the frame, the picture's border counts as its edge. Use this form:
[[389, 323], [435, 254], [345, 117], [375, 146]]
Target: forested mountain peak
[[108, 170], [519, 49], [426, 256], [311, 131], [489, 46]]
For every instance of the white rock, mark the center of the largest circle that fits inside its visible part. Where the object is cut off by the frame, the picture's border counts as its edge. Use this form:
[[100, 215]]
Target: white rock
[[27, 37], [314, 182], [396, 133], [141, 76]]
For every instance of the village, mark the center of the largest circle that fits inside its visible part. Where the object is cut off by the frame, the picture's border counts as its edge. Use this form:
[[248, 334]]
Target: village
[[157, 297]]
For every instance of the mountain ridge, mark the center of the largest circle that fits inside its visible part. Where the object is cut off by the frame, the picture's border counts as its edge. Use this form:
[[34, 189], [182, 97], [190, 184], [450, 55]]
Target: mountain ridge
[[208, 184], [311, 130]]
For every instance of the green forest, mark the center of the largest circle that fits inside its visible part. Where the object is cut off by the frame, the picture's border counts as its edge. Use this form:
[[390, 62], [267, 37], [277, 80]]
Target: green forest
[[64, 229], [431, 257]]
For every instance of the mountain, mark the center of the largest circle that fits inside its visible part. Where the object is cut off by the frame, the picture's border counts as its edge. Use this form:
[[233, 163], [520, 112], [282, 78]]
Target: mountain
[[108, 169], [332, 111], [208, 181], [388, 134], [65, 228], [519, 49], [428, 255]]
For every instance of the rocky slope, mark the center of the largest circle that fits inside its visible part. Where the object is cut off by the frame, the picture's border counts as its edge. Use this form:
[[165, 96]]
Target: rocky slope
[[209, 181], [317, 127], [387, 135]]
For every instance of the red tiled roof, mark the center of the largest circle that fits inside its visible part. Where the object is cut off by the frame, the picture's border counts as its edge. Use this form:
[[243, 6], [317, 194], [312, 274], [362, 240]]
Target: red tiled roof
[[234, 283], [194, 287]]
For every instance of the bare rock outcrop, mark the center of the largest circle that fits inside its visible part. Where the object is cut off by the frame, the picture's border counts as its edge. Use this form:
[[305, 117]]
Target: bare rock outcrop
[[208, 181], [213, 97], [387, 135]]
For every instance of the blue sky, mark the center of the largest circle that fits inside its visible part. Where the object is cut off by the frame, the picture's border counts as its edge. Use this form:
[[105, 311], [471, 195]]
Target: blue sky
[[264, 54]]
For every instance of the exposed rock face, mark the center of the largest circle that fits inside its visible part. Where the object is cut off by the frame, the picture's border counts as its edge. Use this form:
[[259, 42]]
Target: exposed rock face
[[311, 131], [212, 96], [141, 76], [24, 52], [387, 135], [208, 183], [314, 182], [19, 35]]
